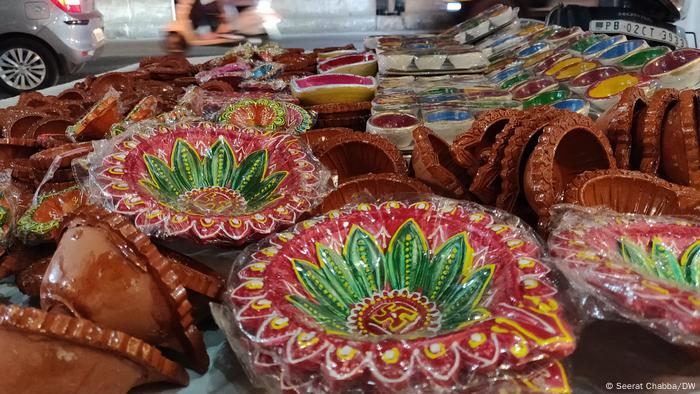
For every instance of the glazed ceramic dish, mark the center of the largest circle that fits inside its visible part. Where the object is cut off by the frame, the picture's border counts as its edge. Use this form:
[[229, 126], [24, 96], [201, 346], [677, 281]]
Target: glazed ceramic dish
[[579, 106], [333, 88], [396, 323], [605, 93], [645, 268], [364, 64], [564, 35], [575, 70], [621, 50], [448, 122], [396, 127], [534, 87], [562, 64], [207, 183], [585, 42], [638, 59], [533, 50], [547, 98], [679, 69], [603, 45], [580, 84]]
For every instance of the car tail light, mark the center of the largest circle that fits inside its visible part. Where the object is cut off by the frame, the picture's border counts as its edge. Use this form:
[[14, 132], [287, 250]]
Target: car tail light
[[69, 6]]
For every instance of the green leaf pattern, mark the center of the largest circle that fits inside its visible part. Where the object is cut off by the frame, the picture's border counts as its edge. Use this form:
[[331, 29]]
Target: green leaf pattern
[[362, 270], [218, 168], [661, 261]]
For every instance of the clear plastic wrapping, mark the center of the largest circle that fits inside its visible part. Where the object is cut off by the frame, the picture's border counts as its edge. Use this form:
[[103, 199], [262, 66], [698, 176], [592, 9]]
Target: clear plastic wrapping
[[643, 268], [429, 295], [207, 182]]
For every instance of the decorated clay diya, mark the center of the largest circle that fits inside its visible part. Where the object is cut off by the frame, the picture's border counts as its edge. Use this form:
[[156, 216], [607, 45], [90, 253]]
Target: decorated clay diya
[[547, 98], [581, 83], [75, 355], [623, 124], [396, 127], [265, 116], [642, 267], [433, 163], [606, 92], [562, 64], [42, 220], [533, 50], [655, 118], [585, 42], [514, 81], [575, 70], [534, 87], [208, 183], [638, 59], [333, 88], [603, 45], [680, 148], [679, 69], [549, 61], [364, 64], [578, 106], [486, 298], [621, 50], [98, 121]]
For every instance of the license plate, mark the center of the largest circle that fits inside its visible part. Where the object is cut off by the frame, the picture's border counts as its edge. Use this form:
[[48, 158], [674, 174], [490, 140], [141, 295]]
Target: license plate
[[98, 35], [638, 30]]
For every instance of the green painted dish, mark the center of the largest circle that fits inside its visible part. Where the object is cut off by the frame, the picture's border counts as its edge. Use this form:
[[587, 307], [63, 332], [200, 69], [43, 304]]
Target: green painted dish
[[547, 98], [512, 82], [639, 59], [582, 44]]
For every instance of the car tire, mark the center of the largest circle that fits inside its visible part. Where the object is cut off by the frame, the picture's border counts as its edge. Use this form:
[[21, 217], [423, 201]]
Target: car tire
[[39, 65]]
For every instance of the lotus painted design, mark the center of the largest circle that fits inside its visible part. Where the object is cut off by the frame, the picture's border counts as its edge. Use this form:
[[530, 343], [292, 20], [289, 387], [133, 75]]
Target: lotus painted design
[[210, 183], [386, 295], [265, 116], [643, 267]]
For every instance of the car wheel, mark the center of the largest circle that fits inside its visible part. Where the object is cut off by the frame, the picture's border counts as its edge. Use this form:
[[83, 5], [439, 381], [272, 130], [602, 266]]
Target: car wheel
[[26, 65]]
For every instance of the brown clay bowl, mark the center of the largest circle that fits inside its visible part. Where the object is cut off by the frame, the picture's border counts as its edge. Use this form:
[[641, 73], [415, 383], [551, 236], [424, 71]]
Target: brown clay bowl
[[341, 110], [73, 355], [650, 140], [21, 256], [472, 149], [373, 186], [631, 192], [486, 183], [118, 81], [565, 149], [360, 153], [317, 137], [519, 150], [49, 125], [17, 123], [32, 100], [28, 280], [107, 271], [680, 150], [74, 109], [52, 140], [622, 122], [12, 149], [73, 94], [433, 164], [64, 153]]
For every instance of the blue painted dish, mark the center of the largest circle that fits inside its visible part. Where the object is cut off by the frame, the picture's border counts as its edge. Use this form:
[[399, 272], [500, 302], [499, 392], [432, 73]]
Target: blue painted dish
[[506, 74], [621, 50], [601, 46], [579, 106], [533, 50]]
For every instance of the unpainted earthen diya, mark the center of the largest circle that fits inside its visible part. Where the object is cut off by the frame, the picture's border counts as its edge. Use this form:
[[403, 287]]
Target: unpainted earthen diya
[[207, 182], [60, 156], [468, 292], [29, 279], [623, 125], [568, 147], [351, 115], [41, 222], [17, 123], [96, 123], [680, 150], [360, 153], [486, 183], [118, 81], [107, 271], [50, 125], [627, 191], [644, 268], [654, 121], [73, 355], [195, 276], [316, 137], [433, 163], [371, 187], [472, 149]]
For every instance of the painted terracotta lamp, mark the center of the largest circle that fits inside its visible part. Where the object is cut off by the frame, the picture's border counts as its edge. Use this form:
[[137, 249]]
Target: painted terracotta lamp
[[208, 183], [398, 294]]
